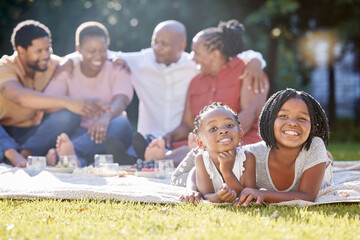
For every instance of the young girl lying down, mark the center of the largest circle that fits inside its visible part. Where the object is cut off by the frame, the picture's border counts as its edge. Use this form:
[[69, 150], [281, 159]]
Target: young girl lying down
[[223, 168]]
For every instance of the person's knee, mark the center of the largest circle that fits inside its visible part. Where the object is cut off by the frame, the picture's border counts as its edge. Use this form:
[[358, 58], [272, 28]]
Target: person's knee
[[121, 129], [65, 117]]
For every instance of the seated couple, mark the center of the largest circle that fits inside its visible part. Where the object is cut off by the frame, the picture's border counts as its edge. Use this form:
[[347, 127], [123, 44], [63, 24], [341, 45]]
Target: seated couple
[[215, 52]]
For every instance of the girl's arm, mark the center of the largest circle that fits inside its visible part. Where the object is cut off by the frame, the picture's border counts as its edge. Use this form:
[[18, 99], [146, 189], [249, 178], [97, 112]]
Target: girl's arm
[[182, 131], [310, 183], [203, 181], [246, 180], [193, 196]]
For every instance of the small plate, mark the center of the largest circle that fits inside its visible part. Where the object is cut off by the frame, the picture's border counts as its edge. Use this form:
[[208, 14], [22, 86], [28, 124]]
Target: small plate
[[61, 170], [146, 174]]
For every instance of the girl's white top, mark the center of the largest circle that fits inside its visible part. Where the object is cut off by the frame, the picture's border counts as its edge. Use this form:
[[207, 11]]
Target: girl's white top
[[305, 160], [214, 174]]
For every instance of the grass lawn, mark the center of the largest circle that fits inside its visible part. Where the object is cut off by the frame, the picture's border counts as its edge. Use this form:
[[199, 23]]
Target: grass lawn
[[345, 151], [85, 219]]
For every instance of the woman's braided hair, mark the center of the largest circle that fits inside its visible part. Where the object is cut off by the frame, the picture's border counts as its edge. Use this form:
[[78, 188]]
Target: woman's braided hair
[[208, 108], [227, 37], [318, 119]]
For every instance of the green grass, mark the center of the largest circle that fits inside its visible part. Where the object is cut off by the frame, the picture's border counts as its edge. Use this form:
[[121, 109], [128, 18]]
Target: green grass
[[345, 151], [85, 219]]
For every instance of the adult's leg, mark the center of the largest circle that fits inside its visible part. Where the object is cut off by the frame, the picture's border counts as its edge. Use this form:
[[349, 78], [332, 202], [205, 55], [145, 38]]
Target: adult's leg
[[119, 140], [119, 129], [45, 134], [6, 142], [9, 149], [139, 143]]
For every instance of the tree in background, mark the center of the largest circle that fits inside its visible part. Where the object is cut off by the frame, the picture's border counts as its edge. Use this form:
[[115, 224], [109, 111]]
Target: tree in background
[[288, 20]]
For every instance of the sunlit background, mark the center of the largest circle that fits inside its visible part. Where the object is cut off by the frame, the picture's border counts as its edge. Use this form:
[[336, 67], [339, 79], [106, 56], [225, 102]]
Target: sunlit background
[[310, 45]]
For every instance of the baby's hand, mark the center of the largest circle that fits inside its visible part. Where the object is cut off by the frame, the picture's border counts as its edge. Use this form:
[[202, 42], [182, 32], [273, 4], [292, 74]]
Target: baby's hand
[[193, 197], [225, 194], [227, 160], [249, 194]]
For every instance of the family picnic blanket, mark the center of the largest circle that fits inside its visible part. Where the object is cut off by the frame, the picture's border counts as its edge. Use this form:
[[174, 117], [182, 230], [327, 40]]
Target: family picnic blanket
[[16, 183]]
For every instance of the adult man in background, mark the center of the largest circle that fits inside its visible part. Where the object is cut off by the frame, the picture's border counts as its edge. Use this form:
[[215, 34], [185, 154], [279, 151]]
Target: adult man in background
[[25, 127]]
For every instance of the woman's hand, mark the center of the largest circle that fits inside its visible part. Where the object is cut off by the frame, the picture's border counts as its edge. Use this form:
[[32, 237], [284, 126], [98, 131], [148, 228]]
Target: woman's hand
[[98, 129], [254, 74], [89, 107], [249, 194], [225, 194]]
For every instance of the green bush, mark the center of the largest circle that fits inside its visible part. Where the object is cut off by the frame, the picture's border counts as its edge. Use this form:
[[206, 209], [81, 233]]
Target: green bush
[[345, 130]]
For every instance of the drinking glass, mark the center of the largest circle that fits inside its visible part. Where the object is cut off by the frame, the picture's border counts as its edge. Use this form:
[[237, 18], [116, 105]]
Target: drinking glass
[[68, 161], [164, 168], [103, 158], [36, 164]]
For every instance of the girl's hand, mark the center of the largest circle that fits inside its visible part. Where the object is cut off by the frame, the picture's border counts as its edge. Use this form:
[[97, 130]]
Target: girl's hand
[[193, 197], [249, 194], [226, 160], [98, 129], [225, 194]]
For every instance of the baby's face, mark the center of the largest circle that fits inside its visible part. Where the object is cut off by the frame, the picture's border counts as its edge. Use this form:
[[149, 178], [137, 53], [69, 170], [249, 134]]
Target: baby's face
[[219, 131]]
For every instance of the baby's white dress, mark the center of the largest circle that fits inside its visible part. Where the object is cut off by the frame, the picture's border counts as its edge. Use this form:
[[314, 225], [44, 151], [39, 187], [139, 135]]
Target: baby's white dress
[[215, 175]]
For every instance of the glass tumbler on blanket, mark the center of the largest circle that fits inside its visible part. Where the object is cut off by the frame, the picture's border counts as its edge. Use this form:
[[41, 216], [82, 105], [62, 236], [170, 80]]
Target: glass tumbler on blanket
[[102, 158], [164, 168], [36, 164], [68, 161]]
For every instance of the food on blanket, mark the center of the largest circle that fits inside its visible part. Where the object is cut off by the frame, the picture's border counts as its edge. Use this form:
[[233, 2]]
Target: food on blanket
[[60, 169], [103, 172], [148, 170], [59, 165], [142, 165]]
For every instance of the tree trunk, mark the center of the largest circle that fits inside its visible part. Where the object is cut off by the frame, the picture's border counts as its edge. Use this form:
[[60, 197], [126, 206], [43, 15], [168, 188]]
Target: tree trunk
[[272, 63], [332, 98]]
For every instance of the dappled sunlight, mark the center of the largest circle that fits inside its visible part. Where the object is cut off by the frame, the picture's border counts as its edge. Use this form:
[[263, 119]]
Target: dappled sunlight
[[319, 48]]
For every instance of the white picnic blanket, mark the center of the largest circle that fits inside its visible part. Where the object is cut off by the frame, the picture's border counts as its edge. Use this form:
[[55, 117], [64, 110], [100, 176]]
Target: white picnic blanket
[[16, 183]]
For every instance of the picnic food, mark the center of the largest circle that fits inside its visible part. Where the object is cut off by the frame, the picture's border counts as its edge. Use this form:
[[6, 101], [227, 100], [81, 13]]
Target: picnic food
[[144, 166]]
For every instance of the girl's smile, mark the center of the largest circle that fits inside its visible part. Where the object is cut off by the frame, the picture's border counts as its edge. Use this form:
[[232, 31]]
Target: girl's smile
[[292, 124]]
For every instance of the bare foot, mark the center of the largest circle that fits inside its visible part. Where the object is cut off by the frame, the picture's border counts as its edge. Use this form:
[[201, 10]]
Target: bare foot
[[15, 158], [155, 150], [192, 141], [64, 146], [51, 157]]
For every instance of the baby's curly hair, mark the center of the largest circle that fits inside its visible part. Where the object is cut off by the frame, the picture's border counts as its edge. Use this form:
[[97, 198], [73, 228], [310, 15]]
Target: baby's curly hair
[[214, 105]]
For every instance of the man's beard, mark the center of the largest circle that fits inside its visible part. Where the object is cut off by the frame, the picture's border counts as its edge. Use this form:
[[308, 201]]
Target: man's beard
[[36, 67]]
